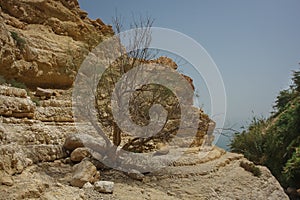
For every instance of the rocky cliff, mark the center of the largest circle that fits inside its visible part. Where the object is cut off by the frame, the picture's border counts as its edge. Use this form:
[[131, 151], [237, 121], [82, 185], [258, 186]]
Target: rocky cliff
[[44, 42], [42, 153], [43, 157]]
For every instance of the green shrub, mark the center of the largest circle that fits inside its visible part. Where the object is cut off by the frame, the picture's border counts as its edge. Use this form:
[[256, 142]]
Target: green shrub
[[275, 142], [20, 41], [250, 167], [17, 84], [2, 80], [296, 80], [13, 83], [251, 143]]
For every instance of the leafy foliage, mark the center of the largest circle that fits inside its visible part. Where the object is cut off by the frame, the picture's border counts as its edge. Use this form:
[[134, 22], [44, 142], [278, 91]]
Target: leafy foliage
[[296, 79], [2, 80], [13, 83], [251, 142], [284, 97], [275, 142], [250, 167], [292, 167], [17, 84]]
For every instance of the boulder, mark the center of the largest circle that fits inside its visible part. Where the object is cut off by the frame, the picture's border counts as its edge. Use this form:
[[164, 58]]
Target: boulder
[[6, 179], [79, 154], [165, 61], [88, 185], [84, 172], [293, 192], [162, 150], [104, 186], [75, 141]]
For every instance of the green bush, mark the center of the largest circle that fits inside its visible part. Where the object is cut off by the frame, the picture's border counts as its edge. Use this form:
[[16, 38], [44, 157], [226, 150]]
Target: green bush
[[250, 167], [296, 80], [275, 142], [251, 142], [17, 84], [13, 83], [283, 99], [2, 80], [292, 167], [19, 41]]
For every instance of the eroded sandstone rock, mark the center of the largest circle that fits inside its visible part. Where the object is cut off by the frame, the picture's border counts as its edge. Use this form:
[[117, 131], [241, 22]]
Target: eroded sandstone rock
[[44, 93], [12, 91], [75, 141], [88, 185], [79, 154], [44, 152], [54, 114], [44, 42], [12, 159], [84, 172], [6, 179], [16, 107]]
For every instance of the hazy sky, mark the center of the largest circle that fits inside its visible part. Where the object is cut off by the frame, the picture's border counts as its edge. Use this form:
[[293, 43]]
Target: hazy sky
[[255, 44]]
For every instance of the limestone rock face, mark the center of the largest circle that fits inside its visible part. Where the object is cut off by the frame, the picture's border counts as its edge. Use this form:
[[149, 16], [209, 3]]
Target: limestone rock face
[[58, 114], [5, 179], [14, 103], [16, 107], [24, 139], [38, 183], [12, 91], [44, 42], [13, 159]]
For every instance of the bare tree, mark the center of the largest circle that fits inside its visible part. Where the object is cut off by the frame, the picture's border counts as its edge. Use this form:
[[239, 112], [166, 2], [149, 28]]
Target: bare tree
[[143, 98], [139, 42], [140, 39]]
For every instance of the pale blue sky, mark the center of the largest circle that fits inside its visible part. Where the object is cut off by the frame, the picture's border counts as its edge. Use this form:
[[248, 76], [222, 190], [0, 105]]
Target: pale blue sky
[[255, 44]]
